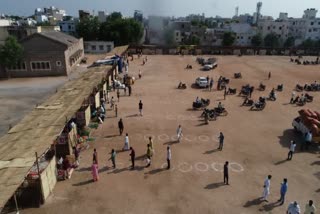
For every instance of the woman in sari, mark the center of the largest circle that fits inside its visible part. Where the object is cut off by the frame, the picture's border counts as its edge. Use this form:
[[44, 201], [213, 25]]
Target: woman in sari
[[95, 171]]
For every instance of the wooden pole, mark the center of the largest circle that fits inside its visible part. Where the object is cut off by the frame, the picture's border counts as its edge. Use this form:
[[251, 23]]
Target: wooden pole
[[40, 181]]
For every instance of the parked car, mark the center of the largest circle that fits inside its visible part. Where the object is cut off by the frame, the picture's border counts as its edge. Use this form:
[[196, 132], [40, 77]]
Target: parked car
[[299, 126], [210, 66], [202, 82]]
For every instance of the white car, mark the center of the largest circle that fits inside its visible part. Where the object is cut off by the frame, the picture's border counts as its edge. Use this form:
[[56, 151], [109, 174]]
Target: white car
[[202, 82], [210, 66], [299, 126]]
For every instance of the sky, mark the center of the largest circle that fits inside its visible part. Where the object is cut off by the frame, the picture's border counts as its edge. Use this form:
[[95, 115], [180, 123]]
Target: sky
[[177, 8]]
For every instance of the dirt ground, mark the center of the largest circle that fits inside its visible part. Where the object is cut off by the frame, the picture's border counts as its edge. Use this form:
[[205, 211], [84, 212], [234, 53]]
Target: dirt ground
[[256, 144]]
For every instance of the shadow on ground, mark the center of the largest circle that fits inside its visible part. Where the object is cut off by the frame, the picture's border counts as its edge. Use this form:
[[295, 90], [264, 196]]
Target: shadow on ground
[[214, 185]]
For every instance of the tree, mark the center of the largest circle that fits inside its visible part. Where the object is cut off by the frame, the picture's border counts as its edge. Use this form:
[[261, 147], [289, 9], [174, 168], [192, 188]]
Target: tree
[[114, 16], [289, 42], [257, 40], [11, 52], [228, 38], [271, 40], [88, 29], [309, 43], [193, 40]]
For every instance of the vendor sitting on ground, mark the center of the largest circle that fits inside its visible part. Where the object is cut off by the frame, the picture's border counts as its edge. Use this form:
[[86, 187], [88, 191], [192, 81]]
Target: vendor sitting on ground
[[198, 100], [220, 107]]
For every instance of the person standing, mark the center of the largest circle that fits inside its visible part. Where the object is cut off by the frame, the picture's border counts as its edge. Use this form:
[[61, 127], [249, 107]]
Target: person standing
[[140, 75], [266, 188], [120, 126], [226, 173], [113, 158], [126, 146], [283, 191], [151, 144], [291, 149], [179, 133], [211, 84], [112, 103], [149, 155], [221, 140], [168, 157], [76, 153], [129, 88], [95, 156], [118, 95], [293, 208], [140, 107], [269, 75], [133, 156], [310, 208], [95, 171]]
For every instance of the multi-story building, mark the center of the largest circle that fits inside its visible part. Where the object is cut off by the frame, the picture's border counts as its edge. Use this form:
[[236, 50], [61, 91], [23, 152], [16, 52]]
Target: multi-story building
[[181, 30], [244, 33], [280, 28], [84, 14], [102, 16], [51, 15], [5, 22], [69, 25]]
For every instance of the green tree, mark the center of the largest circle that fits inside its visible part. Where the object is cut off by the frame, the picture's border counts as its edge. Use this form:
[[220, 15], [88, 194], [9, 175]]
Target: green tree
[[88, 29], [228, 38], [271, 40], [193, 40], [309, 43], [289, 42], [11, 52], [257, 40], [114, 16]]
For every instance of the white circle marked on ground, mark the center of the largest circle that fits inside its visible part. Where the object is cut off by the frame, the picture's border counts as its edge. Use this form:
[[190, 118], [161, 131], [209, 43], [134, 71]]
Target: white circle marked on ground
[[215, 138], [202, 167], [218, 167], [187, 138], [204, 138], [163, 137], [183, 169], [236, 167], [174, 138]]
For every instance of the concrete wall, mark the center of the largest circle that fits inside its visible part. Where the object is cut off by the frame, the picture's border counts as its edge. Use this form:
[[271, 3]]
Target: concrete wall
[[105, 45], [75, 51]]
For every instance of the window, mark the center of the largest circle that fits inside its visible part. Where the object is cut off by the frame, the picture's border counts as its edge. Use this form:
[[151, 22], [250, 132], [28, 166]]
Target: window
[[93, 47], [274, 27], [311, 23], [182, 26], [101, 48], [280, 28], [309, 30], [69, 27], [241, 37], [19, 67], [318, 23], [108, 48], [249, 37], [58, 63], [314, 29], [177, 33], [268, 27], [40, 65]]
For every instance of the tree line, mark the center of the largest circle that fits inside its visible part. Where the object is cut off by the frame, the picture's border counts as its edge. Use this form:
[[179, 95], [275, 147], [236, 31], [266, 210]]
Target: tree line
[[116, 28]]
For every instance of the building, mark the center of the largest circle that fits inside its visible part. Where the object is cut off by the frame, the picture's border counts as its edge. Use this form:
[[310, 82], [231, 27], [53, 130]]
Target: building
[[83, 14], [41, 18], [181, 30], [244, 33], [98, 46], [69, 26], [280, 28], [138, 16], [5, 22], [27, 22], [102, 16], [51, 15], [48, 54]]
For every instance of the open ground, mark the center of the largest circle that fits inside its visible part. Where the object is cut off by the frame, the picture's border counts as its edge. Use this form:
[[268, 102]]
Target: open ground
[[256, 144]]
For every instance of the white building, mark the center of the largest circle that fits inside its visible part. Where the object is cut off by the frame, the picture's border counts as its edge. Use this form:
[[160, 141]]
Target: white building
[[102, 16], [27, 22], [68, 26], [280, 28], [41, 18], [5, 22], [97, 47], [244, 33]]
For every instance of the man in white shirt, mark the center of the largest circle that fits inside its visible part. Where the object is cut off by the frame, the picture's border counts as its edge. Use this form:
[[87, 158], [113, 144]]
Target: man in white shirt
[[291, 149], [168, 156], [293, 208], [310, 208], [266, 188]]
